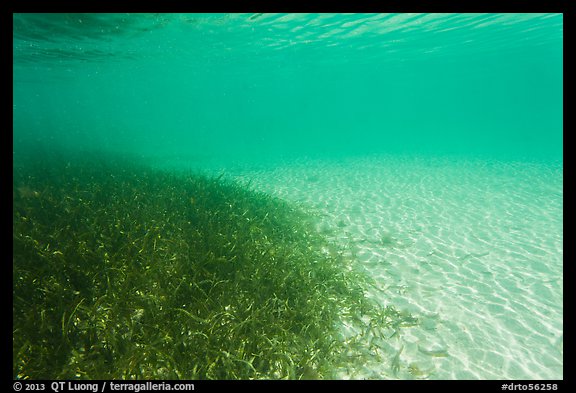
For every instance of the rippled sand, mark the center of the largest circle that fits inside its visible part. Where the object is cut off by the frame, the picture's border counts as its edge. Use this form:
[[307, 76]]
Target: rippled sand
[[472, 248]]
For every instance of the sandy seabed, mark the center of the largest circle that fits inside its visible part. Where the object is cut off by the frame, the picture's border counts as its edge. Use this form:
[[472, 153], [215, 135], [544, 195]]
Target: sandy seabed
[[472, 248]]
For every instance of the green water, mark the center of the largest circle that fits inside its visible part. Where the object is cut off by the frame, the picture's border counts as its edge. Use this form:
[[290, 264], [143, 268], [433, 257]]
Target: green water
[[364, 196], [251, 87]]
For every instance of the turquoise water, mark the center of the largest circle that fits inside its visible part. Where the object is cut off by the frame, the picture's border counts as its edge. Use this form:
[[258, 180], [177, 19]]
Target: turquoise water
[[248, 87], [430, 146]]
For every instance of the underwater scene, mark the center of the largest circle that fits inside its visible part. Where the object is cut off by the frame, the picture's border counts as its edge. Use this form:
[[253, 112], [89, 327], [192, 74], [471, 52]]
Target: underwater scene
[[288, 196]]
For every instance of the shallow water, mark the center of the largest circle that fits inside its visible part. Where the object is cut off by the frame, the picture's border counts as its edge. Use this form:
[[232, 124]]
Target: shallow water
[[472, 248], [430, 145]]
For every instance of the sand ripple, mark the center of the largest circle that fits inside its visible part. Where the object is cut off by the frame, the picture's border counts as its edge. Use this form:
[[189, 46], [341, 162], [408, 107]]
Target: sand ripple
[[472, 248]]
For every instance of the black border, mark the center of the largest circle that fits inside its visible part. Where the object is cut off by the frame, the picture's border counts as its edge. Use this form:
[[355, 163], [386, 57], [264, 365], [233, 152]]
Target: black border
[[523, 6], [552, 6]]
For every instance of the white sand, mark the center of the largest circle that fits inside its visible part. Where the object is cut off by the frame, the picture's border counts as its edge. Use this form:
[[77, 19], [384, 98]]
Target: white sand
[[472, 248]]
